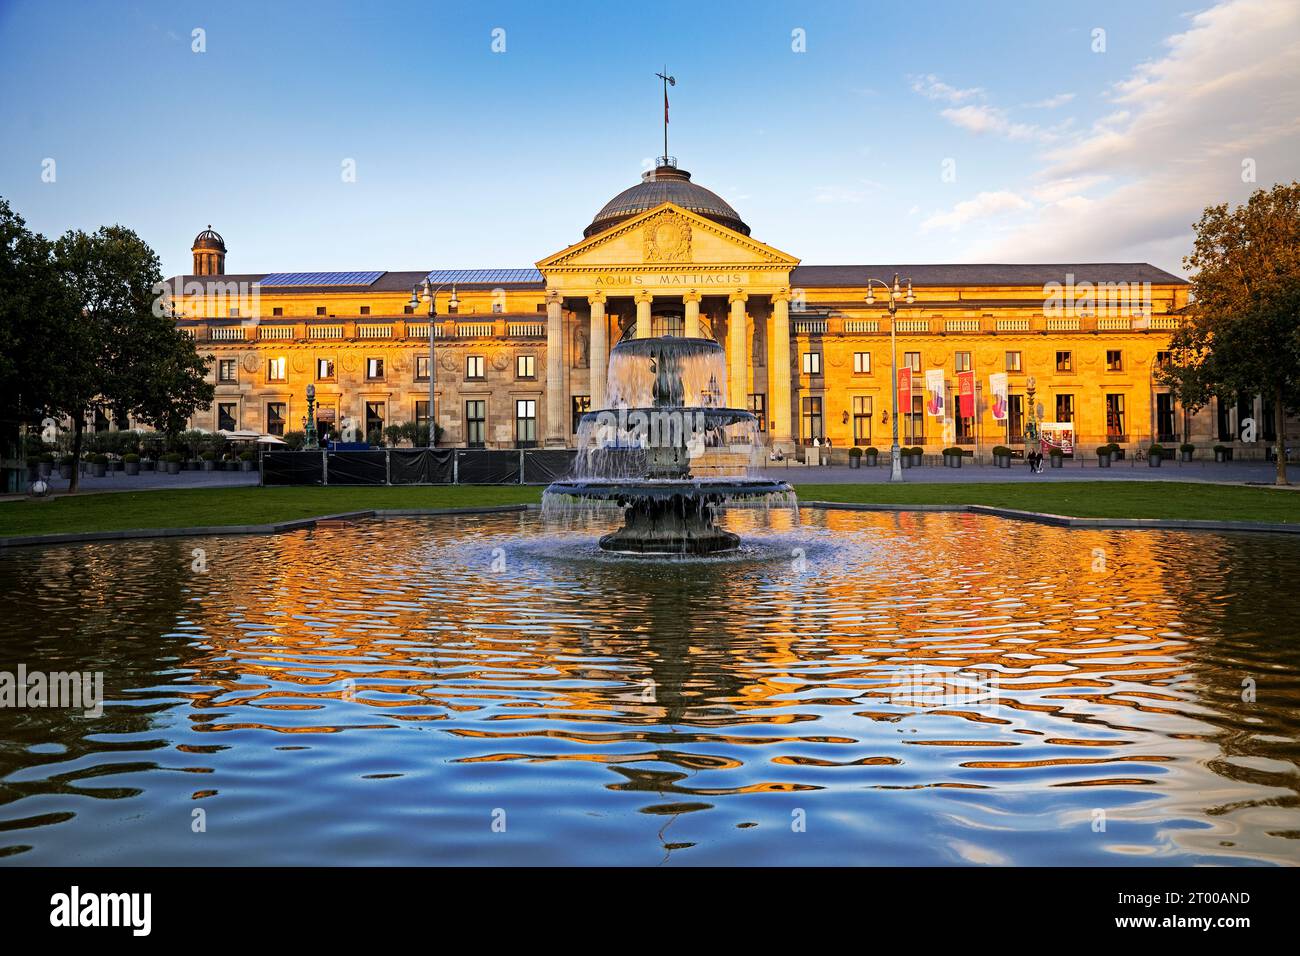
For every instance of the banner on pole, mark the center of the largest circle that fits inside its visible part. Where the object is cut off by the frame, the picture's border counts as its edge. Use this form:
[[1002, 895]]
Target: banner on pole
[[998, 391], [904, 391], [934, 392], [966, 394]]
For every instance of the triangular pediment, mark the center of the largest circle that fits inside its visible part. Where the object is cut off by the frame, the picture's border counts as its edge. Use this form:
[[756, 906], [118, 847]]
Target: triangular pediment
[[668, 236]]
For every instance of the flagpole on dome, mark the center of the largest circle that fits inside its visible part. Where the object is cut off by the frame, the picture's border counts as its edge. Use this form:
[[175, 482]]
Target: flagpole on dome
[[667, 81]]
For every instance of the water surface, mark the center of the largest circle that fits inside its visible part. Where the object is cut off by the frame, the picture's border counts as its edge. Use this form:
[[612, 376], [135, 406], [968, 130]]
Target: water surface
[[856, 689]]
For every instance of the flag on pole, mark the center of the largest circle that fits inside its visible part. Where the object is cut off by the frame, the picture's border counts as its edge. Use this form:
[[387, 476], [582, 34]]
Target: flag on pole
[[665, 105], [966, 394], [998, 391], [904, 390], [935, 389]]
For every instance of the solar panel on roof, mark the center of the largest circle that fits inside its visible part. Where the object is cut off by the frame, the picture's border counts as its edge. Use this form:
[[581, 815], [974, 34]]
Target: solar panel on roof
[[486, 276], [320, 278]]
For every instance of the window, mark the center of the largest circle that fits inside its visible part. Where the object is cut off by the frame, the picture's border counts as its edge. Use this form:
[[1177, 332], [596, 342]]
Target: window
[[1064, 363], [757, 404], [365, 310], [812, 363], [228, 370], [275, 414], [320, 310], [1225, 419], [374, 422], [964, 429], [453, 309], [226, 417], [581, 405], [861, 363], [961, 362], [275, 370], [811, 419], [1114, 360], [525, 422], [541, 308], [1164, 359], [374, 370], [1115, 417], [1013, 361], [912, 360], [1165, 418], [1015, 417], [324, 370], [474, 366], [422, 368], [1064, 408], [422, 415], [475, 423], [407, 310], [914, 422], [862, 410], [277, 311], [526, 366], [497, 308], [234, 313]]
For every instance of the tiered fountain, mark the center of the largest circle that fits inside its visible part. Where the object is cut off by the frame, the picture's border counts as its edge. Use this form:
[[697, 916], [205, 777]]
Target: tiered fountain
[[667, 452]]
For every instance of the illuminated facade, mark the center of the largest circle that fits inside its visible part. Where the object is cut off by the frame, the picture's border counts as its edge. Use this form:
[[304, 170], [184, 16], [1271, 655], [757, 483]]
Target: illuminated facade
[[524, 352]]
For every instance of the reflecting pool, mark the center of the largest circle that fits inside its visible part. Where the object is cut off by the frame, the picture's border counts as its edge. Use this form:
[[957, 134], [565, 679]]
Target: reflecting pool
[[849, 688]]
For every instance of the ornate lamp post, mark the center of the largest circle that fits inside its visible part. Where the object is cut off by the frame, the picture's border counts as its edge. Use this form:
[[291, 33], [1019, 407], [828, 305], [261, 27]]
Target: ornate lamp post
[[309, 422], [1031, 427], [425, 292], [894, 292]]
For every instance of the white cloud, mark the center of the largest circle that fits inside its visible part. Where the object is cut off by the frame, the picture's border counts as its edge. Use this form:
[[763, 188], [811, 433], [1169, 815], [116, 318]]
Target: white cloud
[[931, 87], [981, 119], [1052, 102], [1227, 90], [984, 206]]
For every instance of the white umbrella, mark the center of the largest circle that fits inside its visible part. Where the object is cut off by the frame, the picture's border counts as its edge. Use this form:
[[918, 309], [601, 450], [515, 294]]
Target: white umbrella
[[271, 440], [242, 435]]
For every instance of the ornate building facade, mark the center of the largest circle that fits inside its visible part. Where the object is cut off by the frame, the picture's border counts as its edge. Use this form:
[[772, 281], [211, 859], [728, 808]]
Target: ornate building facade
[[518, 355]]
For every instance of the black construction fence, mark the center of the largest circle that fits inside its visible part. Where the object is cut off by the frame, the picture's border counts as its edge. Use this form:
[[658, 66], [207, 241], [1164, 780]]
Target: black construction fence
[[417, 466]]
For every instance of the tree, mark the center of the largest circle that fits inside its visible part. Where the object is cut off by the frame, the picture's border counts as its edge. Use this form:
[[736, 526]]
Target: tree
[[35, 313], [125, 355], [1242, 331]]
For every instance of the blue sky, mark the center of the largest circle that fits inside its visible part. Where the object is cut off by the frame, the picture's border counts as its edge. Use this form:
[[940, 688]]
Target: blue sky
[[467, 157]]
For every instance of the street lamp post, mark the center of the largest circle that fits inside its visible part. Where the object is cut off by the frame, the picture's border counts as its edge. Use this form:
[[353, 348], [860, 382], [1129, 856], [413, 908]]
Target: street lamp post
[[419, 292], [894, 292]]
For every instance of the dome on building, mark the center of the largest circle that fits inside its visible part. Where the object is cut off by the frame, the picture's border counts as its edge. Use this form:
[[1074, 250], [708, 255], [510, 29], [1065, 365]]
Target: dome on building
[[665, 184], [208, 239]]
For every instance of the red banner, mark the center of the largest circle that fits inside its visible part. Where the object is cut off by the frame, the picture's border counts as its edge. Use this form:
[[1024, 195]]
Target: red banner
[[904, 391], [966, 394]]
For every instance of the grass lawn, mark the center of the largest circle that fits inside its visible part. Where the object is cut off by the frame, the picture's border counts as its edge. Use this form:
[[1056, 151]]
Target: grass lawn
[[1086, 499], [196, 507]]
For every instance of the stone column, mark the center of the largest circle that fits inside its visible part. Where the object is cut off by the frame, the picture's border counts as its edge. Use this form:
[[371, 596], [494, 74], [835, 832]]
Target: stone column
[[643, 302], [737, 379], [599, 362], [554, 369], [692, 300], [779, 368]]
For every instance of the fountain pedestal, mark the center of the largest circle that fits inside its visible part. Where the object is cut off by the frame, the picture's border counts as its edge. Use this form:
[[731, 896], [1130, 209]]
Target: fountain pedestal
[[677, 525]]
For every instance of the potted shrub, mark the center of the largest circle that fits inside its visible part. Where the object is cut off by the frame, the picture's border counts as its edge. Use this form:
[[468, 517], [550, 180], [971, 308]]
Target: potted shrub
[[66, 464], [1001, 456], [99, 465], [1103, 456], [173, 462], [209, 460], [1222, 453], [918, 456], [855, 457], [873, 456], [247, 460], [952, 457], [1056, 457], [1155, 455], [1186, 450], [131, 463]]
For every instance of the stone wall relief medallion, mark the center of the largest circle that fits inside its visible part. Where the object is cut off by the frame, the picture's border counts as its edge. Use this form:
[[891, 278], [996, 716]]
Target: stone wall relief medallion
[[500, 359], [447, 361], [397, 362], [299, 363], [250, 361], [835, 359], [667, 238], [1042, 358], [989, 361], [349, 362]]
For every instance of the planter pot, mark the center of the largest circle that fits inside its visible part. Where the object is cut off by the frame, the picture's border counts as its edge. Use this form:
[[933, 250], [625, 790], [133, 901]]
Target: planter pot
[[855, 461], [1103, 461], [1057, 461], [65, 471], [905, 461], [1185, 455], [956, 461], [173, 467], [872, 460], [247, 465], [131, 467], [917, 460], [209, 466], [99, 470], [1154, 461], [1002, 461]]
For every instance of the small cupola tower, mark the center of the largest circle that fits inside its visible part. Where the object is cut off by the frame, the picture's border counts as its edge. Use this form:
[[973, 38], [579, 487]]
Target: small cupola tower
[[209, 251]]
